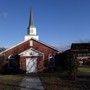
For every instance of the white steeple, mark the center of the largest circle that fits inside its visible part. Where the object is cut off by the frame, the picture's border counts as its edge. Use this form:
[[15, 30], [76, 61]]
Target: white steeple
[[32, 32]]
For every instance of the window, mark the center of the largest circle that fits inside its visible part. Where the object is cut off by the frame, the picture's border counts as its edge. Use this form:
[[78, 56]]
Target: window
[[88, 54], [80, 55]]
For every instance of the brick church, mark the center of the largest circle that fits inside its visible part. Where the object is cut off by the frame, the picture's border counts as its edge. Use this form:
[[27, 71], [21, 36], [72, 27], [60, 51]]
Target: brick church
[[29, 55]]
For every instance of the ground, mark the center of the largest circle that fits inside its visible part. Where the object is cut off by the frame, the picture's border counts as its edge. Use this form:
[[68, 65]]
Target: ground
[[84, 71], [58, 81], [50, 81], [10, 82]]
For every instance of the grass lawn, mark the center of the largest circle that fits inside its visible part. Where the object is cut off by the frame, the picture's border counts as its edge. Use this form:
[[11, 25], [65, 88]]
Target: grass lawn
[[56, 81], [84, 71], [10, 82]]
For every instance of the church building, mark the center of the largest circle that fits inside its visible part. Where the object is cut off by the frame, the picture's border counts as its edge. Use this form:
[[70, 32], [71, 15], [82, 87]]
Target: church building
[[29, 55]]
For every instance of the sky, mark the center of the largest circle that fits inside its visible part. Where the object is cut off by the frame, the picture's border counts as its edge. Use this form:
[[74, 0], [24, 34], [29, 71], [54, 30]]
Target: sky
[[58, 22]]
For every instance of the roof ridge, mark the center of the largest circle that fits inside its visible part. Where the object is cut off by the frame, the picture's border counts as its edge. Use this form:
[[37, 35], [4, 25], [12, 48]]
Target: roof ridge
[[13, 46], [28, 40]]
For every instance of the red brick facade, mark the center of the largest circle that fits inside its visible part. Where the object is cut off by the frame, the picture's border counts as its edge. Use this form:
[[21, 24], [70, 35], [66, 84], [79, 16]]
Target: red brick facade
[[37, 45]]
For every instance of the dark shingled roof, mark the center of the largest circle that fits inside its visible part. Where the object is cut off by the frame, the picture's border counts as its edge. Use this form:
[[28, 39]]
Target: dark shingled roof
[[80, 46]]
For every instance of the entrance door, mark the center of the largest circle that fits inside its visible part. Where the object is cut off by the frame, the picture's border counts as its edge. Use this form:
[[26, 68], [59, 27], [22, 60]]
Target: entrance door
[[31, 55], [31, 65]]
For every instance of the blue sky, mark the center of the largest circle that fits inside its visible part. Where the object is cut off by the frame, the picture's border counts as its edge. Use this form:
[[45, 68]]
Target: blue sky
[[58, 22]]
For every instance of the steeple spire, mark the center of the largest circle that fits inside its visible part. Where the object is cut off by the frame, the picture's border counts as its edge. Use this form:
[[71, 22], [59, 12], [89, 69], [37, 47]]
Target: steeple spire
[[31, 32], [31, 21]]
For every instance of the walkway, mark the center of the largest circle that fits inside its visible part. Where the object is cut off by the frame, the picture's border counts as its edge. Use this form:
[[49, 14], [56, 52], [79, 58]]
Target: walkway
[[31, 83]]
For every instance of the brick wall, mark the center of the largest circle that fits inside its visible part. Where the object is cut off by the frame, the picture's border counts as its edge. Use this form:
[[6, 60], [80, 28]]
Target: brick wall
[[46, 50]]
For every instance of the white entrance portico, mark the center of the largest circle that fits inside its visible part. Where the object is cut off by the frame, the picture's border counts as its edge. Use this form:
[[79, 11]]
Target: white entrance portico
[[31, 59]]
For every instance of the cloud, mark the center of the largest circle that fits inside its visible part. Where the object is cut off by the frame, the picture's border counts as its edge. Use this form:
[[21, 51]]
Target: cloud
[[3, 15]]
